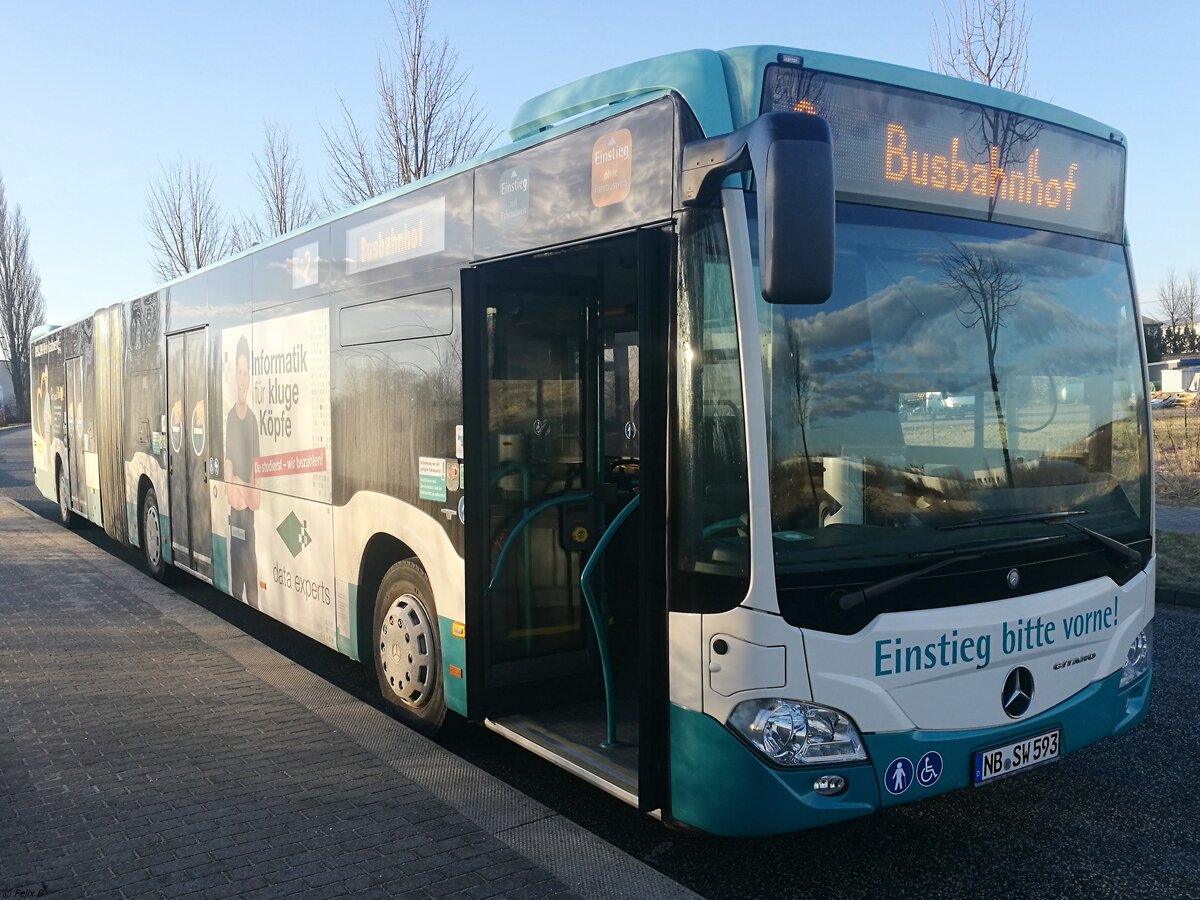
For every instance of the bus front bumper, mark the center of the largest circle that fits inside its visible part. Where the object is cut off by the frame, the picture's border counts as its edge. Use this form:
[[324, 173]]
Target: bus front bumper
[[720, 785]]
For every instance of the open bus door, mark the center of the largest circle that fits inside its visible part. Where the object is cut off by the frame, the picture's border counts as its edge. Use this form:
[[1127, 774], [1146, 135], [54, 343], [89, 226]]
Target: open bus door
[[565, 399]]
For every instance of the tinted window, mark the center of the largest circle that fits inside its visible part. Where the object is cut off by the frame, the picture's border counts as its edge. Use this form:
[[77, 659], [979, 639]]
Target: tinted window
[[398, 319]]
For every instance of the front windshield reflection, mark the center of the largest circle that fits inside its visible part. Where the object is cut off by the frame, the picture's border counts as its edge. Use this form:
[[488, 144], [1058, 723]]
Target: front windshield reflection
[[961, 369]]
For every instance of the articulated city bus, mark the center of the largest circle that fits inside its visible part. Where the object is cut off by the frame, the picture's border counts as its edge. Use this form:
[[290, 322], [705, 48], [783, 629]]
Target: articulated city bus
[[874, 520]]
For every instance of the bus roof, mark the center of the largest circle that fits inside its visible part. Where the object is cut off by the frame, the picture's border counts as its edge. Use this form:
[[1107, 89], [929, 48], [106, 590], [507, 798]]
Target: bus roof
[[723, 89]]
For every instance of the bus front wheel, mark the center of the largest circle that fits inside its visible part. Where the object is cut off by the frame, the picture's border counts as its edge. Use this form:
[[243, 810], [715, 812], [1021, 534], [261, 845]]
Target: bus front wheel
[[407, 647]]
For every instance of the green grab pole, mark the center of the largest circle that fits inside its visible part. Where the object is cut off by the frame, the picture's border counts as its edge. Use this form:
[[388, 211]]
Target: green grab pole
[[610, 699], [529, 516], [527, 583], [527, 561]]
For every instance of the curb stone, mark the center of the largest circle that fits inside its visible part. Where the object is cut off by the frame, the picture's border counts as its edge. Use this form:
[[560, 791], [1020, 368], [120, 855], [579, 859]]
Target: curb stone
[[1177, 597]]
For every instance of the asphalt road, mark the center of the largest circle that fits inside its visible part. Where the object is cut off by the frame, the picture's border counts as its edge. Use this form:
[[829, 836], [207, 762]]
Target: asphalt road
[[1120, 819]]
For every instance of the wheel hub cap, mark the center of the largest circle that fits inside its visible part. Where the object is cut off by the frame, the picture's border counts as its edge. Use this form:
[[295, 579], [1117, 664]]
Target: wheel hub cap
[[153, 536], [406, 650]]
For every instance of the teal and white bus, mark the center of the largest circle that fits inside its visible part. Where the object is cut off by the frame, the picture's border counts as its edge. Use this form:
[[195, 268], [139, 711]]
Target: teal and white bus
[[879, 525]]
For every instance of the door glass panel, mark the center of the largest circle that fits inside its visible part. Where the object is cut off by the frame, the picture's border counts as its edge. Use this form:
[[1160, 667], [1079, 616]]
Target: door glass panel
[[75, 433], [562, 393], [621, 392], [178, 448], [198, 452], [537, 436]]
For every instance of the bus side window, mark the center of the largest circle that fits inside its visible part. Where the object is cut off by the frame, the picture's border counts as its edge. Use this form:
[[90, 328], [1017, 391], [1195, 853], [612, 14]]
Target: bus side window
[[712, 544], [428, 314]]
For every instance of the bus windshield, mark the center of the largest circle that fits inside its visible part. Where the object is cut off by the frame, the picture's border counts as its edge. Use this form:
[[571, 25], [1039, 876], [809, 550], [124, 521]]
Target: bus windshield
[[961, 371]]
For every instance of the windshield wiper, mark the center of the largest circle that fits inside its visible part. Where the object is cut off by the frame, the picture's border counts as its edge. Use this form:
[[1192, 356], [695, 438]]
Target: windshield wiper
[[962, 553], [1123, 552], [1120, 550], [1015, 518]]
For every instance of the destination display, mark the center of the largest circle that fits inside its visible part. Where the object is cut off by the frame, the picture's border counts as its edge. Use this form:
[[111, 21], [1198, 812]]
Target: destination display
[[920, 150], [415, 231]]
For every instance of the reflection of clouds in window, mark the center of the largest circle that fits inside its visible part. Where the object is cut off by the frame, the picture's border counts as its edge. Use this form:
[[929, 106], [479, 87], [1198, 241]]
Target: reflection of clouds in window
[[844, 364], [883, 316], [902, 326], [1042, 255], [830, 331], [910, 325]]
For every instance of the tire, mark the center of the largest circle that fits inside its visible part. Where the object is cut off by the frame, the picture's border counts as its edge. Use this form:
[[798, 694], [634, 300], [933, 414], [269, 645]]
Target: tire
[[407, 647], [150, 534], [66, 518]]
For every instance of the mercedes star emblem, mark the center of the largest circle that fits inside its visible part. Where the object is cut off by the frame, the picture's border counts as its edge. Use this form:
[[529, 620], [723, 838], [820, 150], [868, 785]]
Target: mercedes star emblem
[[1017, 693]]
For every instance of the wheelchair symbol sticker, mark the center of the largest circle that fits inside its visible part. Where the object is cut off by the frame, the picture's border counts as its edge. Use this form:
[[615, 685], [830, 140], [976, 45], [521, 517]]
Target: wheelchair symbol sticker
[[929, 768]]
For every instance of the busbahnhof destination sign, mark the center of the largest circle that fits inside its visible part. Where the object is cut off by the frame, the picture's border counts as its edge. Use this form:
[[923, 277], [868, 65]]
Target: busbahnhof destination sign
[[897, 146]]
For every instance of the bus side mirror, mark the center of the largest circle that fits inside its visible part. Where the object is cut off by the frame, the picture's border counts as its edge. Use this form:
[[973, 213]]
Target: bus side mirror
[[795, 216], [791, 155]]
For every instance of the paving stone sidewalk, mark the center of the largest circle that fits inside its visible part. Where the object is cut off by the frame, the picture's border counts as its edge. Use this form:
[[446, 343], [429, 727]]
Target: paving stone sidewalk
[[151, 749]]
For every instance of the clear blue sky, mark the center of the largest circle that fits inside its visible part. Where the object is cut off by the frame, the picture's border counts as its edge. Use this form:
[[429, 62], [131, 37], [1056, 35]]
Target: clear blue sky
[[95, 96]]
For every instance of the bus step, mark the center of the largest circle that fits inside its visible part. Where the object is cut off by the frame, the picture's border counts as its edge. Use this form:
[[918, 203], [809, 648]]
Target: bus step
[[614, 771]]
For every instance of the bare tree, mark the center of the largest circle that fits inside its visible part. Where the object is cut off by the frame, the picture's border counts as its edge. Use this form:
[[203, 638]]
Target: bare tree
[[427, 117], [1177, 298], [185, 223], [244, 232], [984, 41], [283, 190], [22, 307], [987, 287]]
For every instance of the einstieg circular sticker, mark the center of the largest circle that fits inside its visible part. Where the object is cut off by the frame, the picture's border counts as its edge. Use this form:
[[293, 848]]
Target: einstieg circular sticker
[[198, 428], [177, 426]]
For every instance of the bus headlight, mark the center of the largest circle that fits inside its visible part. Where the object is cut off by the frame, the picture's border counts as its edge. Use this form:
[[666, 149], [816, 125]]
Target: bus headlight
[[1137, 658], [791, 733]]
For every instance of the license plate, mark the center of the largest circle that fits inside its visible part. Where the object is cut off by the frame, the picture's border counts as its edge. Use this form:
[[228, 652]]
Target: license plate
[[1018, 756]]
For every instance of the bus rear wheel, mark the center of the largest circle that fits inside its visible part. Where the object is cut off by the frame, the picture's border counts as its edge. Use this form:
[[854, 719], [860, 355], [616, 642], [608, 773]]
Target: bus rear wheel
[[65, 517], [407, 647], [150, 533]]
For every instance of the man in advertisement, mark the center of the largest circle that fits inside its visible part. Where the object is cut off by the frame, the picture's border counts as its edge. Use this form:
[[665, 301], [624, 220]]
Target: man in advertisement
[[241, 449]]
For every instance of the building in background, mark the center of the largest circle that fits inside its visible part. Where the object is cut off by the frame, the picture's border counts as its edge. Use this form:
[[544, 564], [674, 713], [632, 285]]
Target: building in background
[[1176, 374]]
